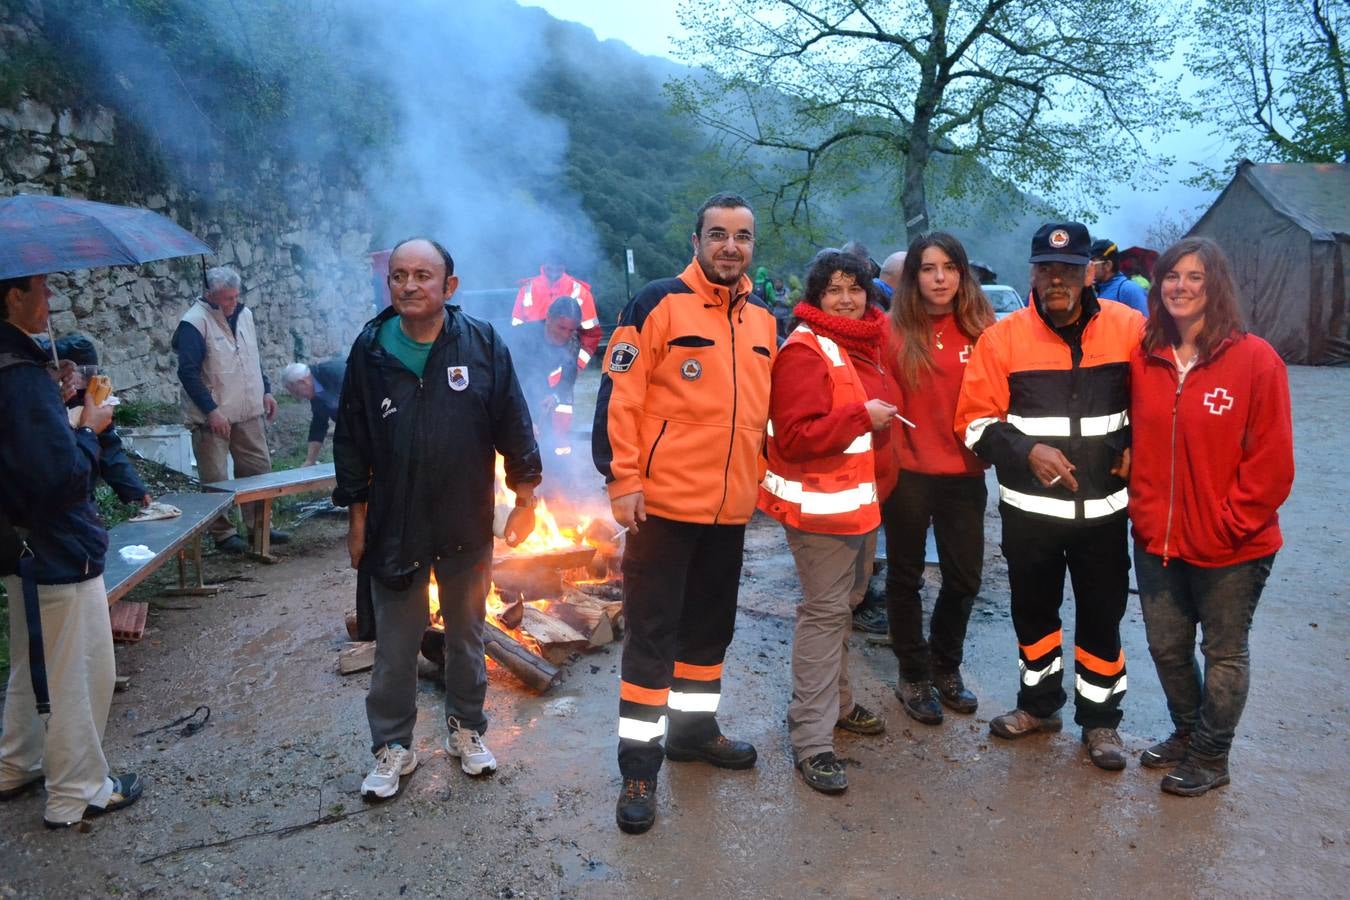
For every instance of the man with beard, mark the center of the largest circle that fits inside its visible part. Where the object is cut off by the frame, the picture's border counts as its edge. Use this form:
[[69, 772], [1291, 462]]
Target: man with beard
[[679, 429], [1044, 398]]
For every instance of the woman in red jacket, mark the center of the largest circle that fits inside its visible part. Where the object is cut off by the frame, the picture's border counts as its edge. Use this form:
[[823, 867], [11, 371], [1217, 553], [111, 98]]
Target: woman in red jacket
[[830, 461], [937, 314], [1213, 461]]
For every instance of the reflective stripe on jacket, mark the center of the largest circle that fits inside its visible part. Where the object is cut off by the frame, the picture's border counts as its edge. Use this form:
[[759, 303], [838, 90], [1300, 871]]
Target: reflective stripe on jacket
[[1025, 385], [537, 294], [836, 494]]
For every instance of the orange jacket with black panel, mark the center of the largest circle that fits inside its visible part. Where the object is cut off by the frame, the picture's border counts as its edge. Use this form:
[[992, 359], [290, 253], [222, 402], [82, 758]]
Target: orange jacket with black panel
[[1027, 385], [684, 401]]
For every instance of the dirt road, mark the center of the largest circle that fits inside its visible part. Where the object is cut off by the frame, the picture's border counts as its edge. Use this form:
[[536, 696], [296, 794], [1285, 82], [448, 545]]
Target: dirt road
[[931, 812]]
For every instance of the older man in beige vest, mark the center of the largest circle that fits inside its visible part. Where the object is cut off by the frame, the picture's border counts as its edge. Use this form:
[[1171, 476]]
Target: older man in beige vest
[[225, 394]]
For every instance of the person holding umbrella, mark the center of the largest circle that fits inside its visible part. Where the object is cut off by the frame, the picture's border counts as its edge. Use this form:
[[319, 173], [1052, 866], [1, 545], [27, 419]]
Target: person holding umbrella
[[52, 548]]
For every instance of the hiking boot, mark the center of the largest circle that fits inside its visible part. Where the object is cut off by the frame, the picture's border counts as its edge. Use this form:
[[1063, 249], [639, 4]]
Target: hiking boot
[[951, 690], [636, 810], [721, 751], [22, 788], [234, 545], [1167, 753], [126, 790], [862, 720], [391, 763], [870, 619], [467, 745], [1104, 748], [1019, 723], [825, 773], [1196, 775], [920, 700]]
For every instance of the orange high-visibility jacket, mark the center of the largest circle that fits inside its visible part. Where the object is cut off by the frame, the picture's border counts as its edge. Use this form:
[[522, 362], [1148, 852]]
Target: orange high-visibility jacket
[[685, 399], [537, 294], [836, 494]]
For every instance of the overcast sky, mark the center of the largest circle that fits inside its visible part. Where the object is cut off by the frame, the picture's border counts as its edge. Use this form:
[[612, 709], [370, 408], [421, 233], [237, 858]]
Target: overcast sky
[[649, 26]]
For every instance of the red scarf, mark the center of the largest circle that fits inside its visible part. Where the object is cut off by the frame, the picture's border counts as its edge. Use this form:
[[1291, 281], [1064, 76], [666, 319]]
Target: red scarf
[[862, 337]]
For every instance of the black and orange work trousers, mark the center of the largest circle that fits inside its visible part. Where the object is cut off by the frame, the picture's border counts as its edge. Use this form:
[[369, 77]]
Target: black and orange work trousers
[[679, 606], [1039, 550]]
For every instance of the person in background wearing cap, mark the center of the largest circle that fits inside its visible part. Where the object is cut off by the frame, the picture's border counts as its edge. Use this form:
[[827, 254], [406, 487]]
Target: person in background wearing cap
[[1045, 399], [1110, 282]]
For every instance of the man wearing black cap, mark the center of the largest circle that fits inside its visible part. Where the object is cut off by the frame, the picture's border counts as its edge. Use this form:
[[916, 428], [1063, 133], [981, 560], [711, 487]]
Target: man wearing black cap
[[1044, 399], [1110, 282]]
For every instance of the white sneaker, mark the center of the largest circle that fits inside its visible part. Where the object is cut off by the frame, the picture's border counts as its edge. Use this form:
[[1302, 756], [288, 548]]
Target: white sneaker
[[466, 744], [391, 763]]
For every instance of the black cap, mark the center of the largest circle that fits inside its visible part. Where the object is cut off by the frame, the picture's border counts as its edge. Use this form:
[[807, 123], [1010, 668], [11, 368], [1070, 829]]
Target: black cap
[[1065, 242], [1104, 249]]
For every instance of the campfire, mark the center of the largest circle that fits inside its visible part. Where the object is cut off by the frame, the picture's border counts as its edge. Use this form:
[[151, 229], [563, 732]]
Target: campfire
[[552, 596]]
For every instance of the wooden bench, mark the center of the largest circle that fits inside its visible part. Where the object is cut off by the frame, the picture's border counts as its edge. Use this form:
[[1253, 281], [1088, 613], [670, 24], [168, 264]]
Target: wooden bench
[[164, 538], [263, 489]]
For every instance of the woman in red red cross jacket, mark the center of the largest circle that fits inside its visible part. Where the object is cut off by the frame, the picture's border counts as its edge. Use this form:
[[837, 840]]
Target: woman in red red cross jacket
[[830, 465], [1213, 460]]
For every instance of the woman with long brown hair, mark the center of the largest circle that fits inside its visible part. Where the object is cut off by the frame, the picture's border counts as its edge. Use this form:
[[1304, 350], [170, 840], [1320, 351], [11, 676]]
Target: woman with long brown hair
[[937, 315], [1213, 460]]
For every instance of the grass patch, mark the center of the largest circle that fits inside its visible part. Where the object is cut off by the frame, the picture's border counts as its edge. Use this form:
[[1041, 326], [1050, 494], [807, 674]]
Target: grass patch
[[143, 413]]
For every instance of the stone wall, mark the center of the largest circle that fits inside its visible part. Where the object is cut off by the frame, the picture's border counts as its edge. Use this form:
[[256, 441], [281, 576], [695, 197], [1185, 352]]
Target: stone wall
[[299, 238]]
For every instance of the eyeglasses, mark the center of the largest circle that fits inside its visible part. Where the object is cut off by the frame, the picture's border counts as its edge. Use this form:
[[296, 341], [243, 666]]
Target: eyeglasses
[[718, 236]]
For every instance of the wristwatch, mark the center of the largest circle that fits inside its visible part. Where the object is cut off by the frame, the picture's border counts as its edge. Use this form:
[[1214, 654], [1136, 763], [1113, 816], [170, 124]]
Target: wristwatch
[[526, 502]]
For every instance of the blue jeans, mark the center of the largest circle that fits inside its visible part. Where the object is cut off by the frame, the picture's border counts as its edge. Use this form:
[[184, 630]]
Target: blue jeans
[[1177, 597]]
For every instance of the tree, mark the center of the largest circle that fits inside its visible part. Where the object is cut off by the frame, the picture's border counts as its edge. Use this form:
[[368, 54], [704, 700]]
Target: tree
[[1051, 95], [1277, 79]]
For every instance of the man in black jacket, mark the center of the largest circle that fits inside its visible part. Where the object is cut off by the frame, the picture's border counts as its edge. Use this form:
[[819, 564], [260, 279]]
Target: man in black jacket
[[56, 547], [429, 400], [321, 385]]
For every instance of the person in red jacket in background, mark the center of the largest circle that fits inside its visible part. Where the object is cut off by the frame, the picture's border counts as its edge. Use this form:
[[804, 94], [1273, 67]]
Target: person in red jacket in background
[[938, 313], [537, 294], [1213, 461], [831, 407]]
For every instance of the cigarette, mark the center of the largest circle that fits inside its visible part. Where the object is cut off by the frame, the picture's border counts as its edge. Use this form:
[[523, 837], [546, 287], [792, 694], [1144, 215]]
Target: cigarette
[[618, 534], [1053, 481], [906, 421]]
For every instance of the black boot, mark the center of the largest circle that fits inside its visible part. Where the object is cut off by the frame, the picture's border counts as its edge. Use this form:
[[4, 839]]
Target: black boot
[[953, 693], [1196, 775], [720, 751], [636, 809]]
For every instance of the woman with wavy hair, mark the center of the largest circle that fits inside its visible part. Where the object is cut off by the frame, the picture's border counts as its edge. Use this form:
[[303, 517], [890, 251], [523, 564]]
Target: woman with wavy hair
[[1213, 460], [830, 464], [937, 315]]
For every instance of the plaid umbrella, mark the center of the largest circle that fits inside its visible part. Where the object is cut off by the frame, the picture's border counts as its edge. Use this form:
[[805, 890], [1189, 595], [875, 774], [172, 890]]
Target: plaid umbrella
[[40, 234]]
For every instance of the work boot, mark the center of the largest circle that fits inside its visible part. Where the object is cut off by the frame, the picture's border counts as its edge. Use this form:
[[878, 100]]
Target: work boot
[[636, 809], [871, 619], [234, 545], [274, 536], [824, 772], [391, 763], [951, 690], [720, 751], [1019, 723], [920, 700], [1166, 753], [1196, 775], [1104, 748], [467, 746], [861, 720]]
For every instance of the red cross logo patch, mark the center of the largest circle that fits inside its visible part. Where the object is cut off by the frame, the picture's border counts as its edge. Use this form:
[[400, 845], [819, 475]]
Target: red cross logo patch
[[1219, 401], [965, 353]]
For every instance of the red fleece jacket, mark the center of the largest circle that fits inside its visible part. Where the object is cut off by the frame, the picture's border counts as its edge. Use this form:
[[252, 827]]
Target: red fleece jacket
[[932, 447], [1206, 488]]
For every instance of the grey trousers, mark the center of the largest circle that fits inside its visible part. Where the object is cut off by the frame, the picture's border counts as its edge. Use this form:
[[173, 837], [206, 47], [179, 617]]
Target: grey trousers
[[834, 570], [247, 443], [400, 620]]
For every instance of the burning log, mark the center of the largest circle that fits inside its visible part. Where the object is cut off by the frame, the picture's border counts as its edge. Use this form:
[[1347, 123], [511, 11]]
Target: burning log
[[357, 656], [556, 639], [608, 591], [535, 673], [591, 621]]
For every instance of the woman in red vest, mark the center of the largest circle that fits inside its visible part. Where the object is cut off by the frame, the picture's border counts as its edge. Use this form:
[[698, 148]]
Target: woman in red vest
[[1213, 460], [938, 313], [830, 463]]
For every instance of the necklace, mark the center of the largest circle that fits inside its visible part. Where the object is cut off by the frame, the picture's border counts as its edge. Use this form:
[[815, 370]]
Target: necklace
[[937, 338]]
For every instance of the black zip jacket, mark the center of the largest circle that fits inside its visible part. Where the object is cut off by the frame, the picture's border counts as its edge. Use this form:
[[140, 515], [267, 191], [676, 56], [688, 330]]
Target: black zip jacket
[[421, 454], [47, 469]]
